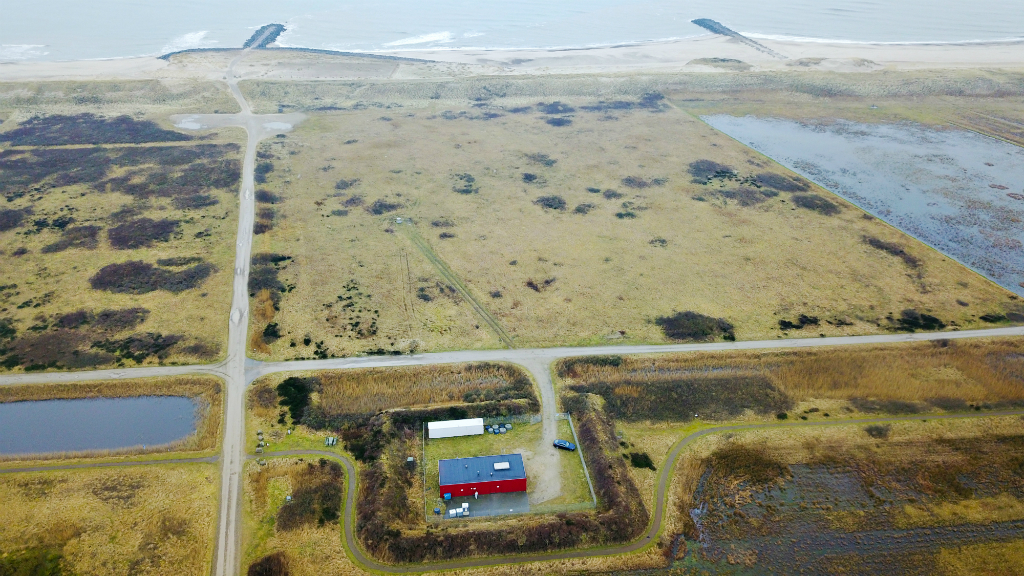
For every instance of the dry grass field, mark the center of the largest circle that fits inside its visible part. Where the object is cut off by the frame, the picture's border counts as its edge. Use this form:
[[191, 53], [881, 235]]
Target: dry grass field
[[145, 520], [943, 497], [119, 253], [900, 378], [570, 222], [205, 390]]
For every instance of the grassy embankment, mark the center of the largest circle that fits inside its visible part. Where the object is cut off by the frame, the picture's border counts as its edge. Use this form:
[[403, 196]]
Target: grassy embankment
[[568, 234], [145, 520], [205, 390]]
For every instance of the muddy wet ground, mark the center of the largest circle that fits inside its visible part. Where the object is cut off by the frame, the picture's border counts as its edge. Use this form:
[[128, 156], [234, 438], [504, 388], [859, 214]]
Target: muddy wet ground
[[958, 191]]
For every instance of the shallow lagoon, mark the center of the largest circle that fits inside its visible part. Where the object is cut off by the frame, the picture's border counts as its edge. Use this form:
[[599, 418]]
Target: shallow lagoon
[[41, 426], [960, 192]]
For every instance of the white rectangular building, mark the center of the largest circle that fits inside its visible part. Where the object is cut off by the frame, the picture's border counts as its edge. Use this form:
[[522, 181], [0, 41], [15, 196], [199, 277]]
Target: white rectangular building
[[451, 428]]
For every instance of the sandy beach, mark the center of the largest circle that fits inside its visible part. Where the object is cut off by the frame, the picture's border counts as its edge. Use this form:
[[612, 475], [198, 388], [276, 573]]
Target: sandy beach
[[710, 53]]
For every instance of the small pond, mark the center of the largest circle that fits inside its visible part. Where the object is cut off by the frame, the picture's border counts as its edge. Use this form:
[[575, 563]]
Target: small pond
[[957, 191], [41, 426]]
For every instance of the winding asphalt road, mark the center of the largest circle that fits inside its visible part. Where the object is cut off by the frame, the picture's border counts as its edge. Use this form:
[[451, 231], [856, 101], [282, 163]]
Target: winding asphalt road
[[657, 519], [238, 371]]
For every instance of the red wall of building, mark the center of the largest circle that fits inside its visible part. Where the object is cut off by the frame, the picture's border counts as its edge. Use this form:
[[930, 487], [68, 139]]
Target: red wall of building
[[493, 487]]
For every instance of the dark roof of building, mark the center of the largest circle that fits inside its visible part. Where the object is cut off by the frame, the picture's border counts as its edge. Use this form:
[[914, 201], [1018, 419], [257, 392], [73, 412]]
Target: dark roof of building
[[480, 469]]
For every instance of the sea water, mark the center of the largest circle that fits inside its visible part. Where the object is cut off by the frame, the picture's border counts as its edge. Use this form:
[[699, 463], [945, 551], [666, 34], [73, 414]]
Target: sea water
[[957, 191], [76, 29]]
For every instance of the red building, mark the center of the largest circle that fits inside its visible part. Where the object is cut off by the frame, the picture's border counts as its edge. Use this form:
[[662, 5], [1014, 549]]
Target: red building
[[482, 475]]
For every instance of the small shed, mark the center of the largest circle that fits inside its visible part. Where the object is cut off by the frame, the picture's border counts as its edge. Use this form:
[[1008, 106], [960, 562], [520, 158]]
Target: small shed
[[452, 428]]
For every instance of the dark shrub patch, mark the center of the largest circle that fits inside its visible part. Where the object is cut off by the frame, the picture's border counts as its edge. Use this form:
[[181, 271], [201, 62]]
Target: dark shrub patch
[[894, 249], [138, 347], [584, 208], [381, 206], [540, 286], [339, 212], [446, 235], [694, 326], [141, 233], [555, 107], [886, 406], [48, 349], [610, 194], [704, 170], [466, 186], [641, 460], [745, 196], [353, 202], [878, 431], [194, 201], [271, 333], [551, 202], [638, 182], [992, 318], [267, 197], [88, 129], [496, 294], [714, 397], [801, 321], [442, 223], [7, 329], [75, 237], [625, 215], [294, 393], [529, 178], [261, 171], [73, 320], [593, 190], [816, 203], [10, 219], [782, 183], [138, 277], [737, 460], [658, 242], [558, 121], [31, 562], [568, 367], [345, 184], [520, 109], [543, 159], [118, 320], [911, 320], [178, 261], [275, 564]]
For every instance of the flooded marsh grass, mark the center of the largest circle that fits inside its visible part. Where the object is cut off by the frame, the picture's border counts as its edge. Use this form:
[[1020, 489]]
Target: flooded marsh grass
[[839, 497], [750, 263], [151, 520]]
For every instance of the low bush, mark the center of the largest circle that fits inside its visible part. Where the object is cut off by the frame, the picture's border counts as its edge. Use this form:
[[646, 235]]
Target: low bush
[[694, 326], [138, 277], [316, 497], [540, 286], [551, 202], [782, 183], [610, 194], [178, 261], [353, 202], [893, 249], [194, 201], [625, 215], [275, 564], [345, 184], [584, 208], [442, 223], [465, 184], [35, 561], [558, 121], [138, 347], [529, 178], [11, 219], [542, 159], [704, 170], [555, 107], [267, 197], [911, 320], [382, 206], [84, 237], [641, 460], [141, 233], [88, 128], [878, 431], [294, 394], [817, 204], [638, 182], [801, 321], [745, 196], [117, 320], [569, 366], [261, 171]]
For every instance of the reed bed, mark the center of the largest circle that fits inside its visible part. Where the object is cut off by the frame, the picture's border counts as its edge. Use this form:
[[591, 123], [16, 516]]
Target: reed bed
[[982, 371], [204, 390]]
